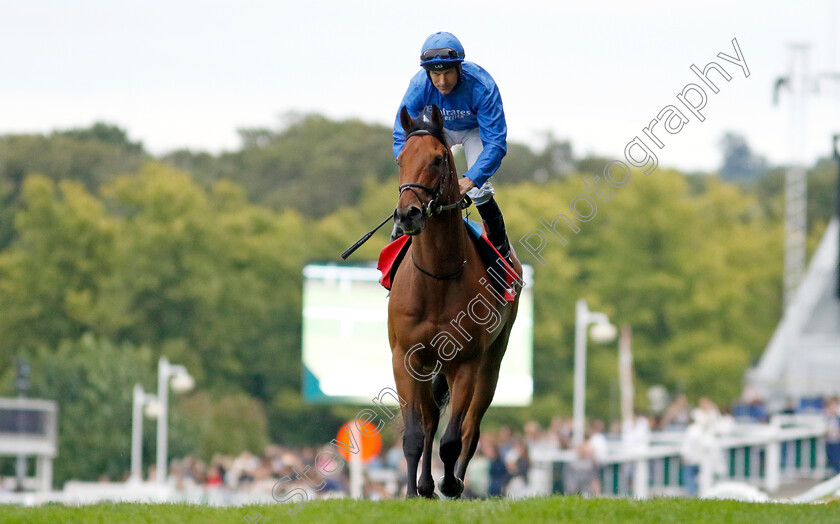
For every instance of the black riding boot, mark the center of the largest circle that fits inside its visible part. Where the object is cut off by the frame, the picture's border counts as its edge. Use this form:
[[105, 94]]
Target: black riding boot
[[492, 216]]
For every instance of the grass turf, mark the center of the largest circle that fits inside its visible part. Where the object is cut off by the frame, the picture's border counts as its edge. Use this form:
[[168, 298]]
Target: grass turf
[[530, 511]]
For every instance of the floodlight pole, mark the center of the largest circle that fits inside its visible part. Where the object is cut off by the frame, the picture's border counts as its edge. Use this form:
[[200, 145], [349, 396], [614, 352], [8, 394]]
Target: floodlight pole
[[140, 399], [22, 385], [165, 372], [625, 374], [583, 318], [801, 83], [834, 142]]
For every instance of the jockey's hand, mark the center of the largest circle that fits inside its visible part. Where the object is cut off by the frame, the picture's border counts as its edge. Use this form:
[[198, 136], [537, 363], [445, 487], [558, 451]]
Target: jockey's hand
[[465, 184]]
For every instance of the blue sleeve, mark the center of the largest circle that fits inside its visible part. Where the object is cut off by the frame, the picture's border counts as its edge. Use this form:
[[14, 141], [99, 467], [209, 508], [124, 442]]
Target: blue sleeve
[[414, 101], [493, 129]]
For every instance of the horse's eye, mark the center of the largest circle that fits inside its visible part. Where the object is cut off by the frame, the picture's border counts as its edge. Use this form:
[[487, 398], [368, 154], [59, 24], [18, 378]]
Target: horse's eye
[[437, 161]]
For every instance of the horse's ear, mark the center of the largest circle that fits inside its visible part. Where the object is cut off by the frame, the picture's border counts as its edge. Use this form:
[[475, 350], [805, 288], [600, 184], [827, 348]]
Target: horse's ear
[[437, 117], [405, 119]]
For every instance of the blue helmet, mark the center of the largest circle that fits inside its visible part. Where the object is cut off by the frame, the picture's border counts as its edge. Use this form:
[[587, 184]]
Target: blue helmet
[[441, 51]]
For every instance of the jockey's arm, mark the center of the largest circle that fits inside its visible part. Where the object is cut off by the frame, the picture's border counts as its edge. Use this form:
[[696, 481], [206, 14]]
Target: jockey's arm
[[413, 100], [493, 129]]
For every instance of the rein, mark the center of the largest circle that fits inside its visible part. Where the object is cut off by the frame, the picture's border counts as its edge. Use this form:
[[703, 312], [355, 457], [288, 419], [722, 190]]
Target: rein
[[449, 276]]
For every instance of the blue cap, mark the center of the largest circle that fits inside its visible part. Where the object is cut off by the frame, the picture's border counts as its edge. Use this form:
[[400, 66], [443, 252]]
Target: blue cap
[[441, 51]]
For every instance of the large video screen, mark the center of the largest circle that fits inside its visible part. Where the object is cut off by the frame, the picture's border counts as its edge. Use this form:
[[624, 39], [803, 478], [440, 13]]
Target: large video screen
[[346, 355]]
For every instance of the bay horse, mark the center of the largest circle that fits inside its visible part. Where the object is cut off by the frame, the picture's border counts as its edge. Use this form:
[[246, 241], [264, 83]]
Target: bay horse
[[438, 314]]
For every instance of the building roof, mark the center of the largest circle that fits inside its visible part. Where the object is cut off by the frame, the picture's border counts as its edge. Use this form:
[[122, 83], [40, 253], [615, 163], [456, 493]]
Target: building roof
[[803, 357]]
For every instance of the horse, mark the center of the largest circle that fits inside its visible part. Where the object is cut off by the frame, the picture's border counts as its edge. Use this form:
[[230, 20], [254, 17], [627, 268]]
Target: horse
[[438, 310]]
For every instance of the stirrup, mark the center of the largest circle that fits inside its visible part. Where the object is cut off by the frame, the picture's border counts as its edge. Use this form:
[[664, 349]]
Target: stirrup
[[504, 249], [507, 257]]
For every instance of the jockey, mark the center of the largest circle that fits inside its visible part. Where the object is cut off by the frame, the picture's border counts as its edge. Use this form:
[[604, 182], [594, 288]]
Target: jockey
[[473, 117]]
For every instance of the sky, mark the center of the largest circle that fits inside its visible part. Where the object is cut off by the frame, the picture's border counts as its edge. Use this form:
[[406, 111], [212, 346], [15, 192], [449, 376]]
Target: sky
[[188, 74]]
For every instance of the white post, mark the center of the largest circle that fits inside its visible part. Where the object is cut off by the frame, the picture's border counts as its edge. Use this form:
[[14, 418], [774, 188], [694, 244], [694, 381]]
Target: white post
[[584, 317], [356, 474], [21, 469], [137, 434], [625, 375], [706, 475], [772, 466], [641, 478], [163, 417], [43, 470], [579, 401]]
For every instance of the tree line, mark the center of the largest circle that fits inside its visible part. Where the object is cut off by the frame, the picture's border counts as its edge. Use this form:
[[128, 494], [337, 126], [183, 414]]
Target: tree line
[[111, 258]]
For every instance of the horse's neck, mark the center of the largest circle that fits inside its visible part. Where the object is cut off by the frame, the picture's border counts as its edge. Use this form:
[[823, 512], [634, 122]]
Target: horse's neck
[[441, 247]]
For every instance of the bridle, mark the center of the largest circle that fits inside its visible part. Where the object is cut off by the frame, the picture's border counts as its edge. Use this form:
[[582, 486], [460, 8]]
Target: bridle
[[433, 207]]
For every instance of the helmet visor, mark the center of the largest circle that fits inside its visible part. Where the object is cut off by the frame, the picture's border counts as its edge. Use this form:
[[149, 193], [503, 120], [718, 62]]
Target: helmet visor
[[441, 52]]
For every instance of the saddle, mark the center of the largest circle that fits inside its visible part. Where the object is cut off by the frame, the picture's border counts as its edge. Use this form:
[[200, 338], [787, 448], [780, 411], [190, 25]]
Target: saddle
[[502, 275]]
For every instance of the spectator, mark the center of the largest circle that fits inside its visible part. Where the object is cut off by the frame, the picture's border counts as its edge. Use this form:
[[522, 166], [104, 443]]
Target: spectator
[[790, 407], [498, 472], [518, 464], [635, 433], [215, 478], [581, 475], [615, 431], [678, 415], [533, 433], [477, 483], [832, 438], [598, 441], [504, 440], [699, 446], [560, 432], [394, 459], [692, 453]]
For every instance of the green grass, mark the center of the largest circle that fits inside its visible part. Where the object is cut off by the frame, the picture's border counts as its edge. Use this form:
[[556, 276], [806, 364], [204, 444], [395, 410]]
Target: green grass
[[549, 509]]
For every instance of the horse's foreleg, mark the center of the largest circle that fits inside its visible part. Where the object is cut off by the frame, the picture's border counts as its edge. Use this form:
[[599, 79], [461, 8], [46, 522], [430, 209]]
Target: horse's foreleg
[[412, 392], [460, 393], [412, 446], [431, 417]]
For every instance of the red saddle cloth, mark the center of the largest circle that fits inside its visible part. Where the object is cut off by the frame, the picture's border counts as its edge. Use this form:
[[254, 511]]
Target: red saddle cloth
[[390, 258], [502, 275]]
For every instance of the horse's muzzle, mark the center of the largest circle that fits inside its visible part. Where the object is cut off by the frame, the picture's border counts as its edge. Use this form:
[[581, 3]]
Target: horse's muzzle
[[410, 219]]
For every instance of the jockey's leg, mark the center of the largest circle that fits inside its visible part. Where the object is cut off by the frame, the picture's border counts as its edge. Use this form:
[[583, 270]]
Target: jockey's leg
[[482, 196], [495, 223]]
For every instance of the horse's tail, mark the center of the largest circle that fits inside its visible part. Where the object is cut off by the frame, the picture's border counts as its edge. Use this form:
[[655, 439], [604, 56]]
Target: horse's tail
[[440, 391]]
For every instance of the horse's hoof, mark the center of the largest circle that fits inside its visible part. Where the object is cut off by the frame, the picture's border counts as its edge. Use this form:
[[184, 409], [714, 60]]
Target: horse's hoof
[[431, 495], [454, 494]]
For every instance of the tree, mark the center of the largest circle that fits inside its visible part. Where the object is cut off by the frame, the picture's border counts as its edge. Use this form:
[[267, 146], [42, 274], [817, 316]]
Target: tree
[[49, 279], [310, 164], [739, 162], [91, 379], [91, 156], [693, 274], [217, 422]]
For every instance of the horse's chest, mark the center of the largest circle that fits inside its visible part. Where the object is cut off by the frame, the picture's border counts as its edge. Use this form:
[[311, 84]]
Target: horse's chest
[[440, 333]]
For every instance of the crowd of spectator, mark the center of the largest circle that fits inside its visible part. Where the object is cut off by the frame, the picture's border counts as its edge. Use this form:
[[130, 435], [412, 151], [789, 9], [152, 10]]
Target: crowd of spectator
[[501, 464]]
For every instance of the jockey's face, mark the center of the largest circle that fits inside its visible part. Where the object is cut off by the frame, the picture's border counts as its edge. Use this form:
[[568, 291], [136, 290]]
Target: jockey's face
[[444, 80]]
